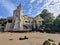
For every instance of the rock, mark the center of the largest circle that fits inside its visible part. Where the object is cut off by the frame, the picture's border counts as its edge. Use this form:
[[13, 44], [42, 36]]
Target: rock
[[59, 43], [23, 38], [10, 39], [46, 43]]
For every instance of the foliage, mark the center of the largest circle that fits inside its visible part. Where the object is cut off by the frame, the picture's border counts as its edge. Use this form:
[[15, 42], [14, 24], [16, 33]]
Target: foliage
[[53, 44], [46, 43], [51, 40], [48, 18], [2, 21], [9, 19], [57, 23], [0, 24]]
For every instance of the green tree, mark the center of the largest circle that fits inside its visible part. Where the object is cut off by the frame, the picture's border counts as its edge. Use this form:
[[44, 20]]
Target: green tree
[[48, 18], [2, 22], [57, 23], [53, 44], [9, 19]]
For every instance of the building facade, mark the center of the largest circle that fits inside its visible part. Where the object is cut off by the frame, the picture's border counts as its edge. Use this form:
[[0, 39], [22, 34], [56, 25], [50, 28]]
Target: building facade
[[21, 22]]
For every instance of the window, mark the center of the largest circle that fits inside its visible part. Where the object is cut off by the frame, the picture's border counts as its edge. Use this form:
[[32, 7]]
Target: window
[[26, 21]]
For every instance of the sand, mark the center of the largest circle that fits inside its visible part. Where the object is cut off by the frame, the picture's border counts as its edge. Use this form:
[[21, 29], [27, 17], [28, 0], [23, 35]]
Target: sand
[[34, 38]]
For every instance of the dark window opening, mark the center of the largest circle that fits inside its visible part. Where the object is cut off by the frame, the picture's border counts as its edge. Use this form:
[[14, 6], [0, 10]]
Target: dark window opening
[[10, 21], [26, 21]]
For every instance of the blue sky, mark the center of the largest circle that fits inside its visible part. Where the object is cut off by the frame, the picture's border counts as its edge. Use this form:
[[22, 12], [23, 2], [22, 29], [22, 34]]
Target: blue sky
[[30, 7]]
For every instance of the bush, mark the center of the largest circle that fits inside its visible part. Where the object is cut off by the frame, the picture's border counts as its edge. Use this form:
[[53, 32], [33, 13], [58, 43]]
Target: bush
[[51, 40], [46, 43], [0, 24], [53, 44]]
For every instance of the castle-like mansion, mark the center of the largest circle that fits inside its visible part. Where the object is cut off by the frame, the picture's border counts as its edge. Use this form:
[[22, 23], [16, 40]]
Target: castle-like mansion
[[21, 22]]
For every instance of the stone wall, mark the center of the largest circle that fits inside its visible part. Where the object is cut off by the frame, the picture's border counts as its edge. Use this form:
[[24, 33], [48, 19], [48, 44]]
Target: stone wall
[[8, 27], [21, 21]]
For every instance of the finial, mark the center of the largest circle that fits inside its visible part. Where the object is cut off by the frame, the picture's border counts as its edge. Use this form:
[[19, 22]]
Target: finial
[[19, 5]]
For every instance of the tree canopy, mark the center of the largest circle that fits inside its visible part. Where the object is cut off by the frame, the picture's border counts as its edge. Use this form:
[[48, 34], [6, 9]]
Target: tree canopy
[[57, 22], [47, 16]]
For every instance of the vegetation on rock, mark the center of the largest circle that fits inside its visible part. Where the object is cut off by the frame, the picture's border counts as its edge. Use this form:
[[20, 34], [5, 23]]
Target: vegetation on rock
[[51, 40], [53, 44], [46, 43]]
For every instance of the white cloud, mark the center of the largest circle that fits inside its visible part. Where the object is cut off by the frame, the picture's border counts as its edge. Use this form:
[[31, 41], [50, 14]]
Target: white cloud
[[54, 7], [30, 10], [39, 1], [47, 2], [2, 17], [8, 5], [32, 1], [36, 7]]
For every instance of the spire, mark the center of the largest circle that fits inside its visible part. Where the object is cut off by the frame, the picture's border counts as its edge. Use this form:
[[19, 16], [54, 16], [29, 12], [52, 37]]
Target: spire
[[20, 5]]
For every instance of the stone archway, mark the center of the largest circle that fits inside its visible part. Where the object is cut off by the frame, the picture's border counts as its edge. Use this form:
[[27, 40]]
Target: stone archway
[[25, 27]]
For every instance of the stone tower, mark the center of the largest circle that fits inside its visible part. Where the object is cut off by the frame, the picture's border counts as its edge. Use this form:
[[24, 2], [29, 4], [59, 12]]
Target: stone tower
[[18, 19]]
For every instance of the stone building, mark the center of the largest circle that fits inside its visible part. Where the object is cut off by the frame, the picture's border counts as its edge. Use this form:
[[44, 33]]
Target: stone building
[[21, 22]]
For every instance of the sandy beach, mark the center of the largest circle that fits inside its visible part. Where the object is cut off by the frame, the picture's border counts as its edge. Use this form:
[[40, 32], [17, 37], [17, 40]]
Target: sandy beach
[[34, 38]]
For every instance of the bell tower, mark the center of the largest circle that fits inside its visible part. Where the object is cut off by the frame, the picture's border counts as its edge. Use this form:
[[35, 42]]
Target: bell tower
[[18, 19]]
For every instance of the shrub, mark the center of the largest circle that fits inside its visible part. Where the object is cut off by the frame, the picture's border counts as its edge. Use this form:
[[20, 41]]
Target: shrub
[[0, 24], [51, 40], [46, 43], [53, 44]]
